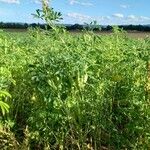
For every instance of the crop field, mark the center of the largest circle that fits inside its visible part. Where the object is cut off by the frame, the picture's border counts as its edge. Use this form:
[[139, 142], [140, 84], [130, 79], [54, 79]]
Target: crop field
[[62, 91], [132, 34]]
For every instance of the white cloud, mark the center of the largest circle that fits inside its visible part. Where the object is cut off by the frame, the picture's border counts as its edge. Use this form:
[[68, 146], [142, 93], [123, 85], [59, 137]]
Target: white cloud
[[137, 19], [80, 18], [131, 17], [40, 1], [72, 2], [124, 6], [101, 19], [115, 19], [118, 15], [107, 17], [37, 1], [144, 18], [10, 1]]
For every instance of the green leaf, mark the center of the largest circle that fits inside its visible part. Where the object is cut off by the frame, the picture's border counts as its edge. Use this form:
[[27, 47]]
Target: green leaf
[[4, 107], [4, 93]]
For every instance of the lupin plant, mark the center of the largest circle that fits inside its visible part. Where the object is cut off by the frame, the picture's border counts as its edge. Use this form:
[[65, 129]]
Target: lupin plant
[[65, 91], [48, 14]]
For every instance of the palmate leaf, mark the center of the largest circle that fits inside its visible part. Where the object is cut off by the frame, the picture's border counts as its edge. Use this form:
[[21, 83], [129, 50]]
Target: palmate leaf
[[4, 106], [48, 14], [4, 93], [38, 12]]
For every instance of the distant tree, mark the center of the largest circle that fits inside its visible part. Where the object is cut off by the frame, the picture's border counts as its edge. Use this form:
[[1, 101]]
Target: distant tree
[[108, 28]]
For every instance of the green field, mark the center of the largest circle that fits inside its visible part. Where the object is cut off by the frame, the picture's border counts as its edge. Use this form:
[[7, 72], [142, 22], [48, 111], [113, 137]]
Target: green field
[[74, 91], [64, 91]]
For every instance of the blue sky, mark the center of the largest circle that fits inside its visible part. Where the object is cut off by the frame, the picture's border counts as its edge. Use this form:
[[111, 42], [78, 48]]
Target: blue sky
[[80, 11]]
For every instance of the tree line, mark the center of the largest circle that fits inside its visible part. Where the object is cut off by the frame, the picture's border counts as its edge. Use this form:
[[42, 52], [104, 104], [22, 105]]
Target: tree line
[[75, 27]]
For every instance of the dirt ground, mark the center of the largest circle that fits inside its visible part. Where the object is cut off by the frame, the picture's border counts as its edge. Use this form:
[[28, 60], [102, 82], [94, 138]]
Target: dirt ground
[[134, 34]]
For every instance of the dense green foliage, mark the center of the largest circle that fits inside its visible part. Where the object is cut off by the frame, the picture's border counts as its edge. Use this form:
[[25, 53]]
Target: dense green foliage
[[63, 91]]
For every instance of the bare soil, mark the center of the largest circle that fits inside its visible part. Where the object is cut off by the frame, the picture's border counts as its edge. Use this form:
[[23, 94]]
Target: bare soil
[[134, 34]]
